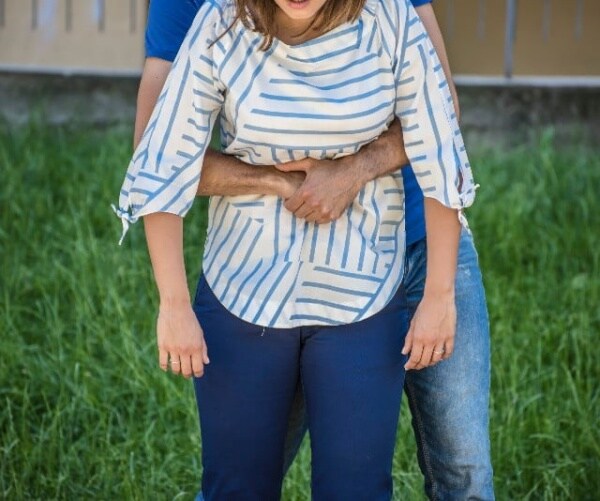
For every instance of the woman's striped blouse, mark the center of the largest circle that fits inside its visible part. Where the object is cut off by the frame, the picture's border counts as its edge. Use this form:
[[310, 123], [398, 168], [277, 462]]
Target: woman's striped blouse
[[324, 98]]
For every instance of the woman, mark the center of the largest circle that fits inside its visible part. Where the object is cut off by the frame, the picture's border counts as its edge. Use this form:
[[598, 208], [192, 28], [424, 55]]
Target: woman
[[283, 296]]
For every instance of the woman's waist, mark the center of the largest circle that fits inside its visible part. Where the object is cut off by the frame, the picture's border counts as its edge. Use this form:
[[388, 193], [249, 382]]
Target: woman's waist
[[370, 230]]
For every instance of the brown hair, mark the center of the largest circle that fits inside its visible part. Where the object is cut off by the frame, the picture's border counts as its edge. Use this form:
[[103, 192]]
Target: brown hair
[[259, 15]]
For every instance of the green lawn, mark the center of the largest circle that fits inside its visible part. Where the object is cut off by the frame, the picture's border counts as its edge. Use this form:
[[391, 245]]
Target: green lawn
[[86, 413]]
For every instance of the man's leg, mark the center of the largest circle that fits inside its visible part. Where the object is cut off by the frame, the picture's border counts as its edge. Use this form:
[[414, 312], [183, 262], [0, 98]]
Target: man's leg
[[449, 401], [244, 400]]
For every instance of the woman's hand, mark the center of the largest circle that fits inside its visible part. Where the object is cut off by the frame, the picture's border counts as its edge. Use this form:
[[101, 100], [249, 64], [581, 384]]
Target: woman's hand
[[430, 338], [181, 340]]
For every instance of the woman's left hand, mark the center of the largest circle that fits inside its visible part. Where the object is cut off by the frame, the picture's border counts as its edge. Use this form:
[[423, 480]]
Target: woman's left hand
[[430, 337]]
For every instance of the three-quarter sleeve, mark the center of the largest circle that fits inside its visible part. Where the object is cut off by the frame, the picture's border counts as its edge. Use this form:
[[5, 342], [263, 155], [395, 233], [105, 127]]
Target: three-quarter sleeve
[[164, 172], [432, 138]]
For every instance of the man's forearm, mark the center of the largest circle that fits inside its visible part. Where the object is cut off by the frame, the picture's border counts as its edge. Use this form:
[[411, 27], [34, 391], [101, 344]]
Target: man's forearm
[[226, 175], [387, 154], [380, 158], [221, 174]]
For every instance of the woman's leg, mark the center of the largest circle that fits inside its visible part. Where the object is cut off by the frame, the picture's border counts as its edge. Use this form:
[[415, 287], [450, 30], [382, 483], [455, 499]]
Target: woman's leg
[[296, 429], [353, 377], [244, 399]]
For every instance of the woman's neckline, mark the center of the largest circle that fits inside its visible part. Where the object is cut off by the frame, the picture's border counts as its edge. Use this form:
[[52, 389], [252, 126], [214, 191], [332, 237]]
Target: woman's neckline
[[315, 40]]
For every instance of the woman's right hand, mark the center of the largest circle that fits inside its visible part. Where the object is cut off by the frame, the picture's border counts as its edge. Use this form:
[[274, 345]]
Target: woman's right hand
[[181, 341]]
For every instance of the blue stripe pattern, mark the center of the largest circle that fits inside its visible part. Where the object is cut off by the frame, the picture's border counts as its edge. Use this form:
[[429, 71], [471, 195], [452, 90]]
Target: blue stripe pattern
[[324, 98]]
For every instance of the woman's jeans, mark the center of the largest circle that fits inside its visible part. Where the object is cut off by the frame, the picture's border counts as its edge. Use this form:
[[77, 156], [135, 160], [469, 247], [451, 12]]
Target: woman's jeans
[[449, 402], [352, 379]]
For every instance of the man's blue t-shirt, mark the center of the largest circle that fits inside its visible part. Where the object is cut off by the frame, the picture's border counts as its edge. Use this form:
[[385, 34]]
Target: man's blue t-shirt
[[168, 23]]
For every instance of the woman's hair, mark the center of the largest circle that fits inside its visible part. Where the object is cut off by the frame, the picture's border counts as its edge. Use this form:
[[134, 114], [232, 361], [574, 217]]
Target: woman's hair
[[259, 15]]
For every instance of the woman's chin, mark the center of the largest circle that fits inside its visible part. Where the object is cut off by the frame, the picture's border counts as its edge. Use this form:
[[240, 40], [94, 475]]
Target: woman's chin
[[301, 9]]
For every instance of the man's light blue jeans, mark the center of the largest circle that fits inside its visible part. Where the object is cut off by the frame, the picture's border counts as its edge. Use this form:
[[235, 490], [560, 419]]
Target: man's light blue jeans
[[449, 401]]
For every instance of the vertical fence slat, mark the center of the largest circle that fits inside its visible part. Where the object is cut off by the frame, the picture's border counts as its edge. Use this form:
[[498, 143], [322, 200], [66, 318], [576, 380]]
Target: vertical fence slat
[[450, 19], [68, 15], [579, 20], [547, 19], [132, 16], [101, 8], [509, 42], [34, 14], [481, 20]]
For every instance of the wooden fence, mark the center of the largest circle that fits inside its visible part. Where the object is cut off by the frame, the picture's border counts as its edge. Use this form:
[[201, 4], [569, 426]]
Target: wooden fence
[[72, 36], [488, 40]]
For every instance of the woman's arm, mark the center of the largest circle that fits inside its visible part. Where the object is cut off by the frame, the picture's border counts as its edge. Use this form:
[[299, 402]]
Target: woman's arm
[[431, 333], [221, 174], [437, 154], [432, 329], [161, 184], [179, 335], [432, 27]]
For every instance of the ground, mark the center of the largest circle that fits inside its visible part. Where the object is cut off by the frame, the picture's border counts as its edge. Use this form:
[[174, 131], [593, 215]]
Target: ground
[[85, 412]]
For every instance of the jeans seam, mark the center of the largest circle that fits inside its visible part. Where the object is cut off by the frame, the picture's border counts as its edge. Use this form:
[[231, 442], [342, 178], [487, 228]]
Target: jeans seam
[[421, 437]]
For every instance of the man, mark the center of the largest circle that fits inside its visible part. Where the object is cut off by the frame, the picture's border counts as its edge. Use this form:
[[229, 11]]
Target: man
[[448, 395]]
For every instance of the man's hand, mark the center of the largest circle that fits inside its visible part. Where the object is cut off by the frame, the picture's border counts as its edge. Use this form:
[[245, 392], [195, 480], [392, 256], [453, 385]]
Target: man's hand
[[430, 338], [289, 182], [331, 186], [328, 190]]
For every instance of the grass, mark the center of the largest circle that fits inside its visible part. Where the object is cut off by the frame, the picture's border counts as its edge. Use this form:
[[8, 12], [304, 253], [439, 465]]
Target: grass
[[85, 412]]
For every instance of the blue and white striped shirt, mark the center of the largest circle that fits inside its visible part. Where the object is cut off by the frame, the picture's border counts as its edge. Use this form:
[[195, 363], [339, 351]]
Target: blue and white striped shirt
[[324, 98]]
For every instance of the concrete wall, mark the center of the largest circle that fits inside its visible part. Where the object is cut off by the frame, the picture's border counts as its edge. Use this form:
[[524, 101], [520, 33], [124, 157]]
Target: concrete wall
[[489, 114]]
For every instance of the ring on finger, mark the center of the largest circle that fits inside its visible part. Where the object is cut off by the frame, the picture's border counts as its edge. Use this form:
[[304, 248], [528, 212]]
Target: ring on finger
[[439, 352]]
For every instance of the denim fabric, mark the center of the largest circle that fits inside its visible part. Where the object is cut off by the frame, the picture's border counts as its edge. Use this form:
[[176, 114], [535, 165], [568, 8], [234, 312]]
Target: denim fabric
[[449, 401], [352, 379]]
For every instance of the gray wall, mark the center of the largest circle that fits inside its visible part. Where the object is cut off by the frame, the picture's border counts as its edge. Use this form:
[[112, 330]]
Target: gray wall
[[489, 114]]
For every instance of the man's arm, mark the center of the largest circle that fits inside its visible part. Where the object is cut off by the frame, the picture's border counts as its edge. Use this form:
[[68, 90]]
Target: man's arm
[[221, 174], [331, 186]]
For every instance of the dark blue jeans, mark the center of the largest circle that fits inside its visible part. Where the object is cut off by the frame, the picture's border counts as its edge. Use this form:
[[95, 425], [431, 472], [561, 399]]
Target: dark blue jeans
[[352, 378]]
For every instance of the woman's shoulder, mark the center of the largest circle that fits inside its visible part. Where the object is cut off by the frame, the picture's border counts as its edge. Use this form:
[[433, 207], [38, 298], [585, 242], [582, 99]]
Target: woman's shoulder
[[393, 11], [213, 19], [388, 18], [224, 9]]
